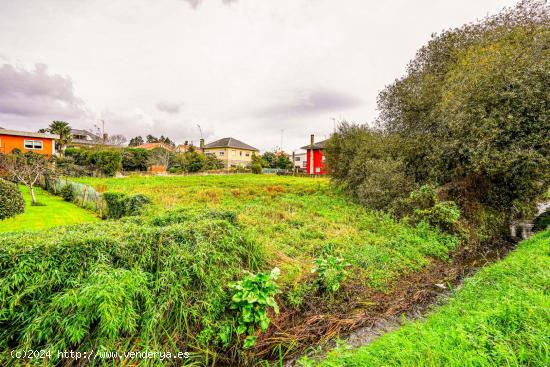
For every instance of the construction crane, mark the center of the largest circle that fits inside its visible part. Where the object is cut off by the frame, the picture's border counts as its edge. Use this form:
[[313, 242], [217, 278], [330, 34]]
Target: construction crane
[[201, 142], [200, 130]]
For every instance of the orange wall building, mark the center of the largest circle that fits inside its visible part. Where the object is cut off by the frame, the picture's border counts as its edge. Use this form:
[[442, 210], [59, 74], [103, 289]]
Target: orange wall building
[[27, 142]]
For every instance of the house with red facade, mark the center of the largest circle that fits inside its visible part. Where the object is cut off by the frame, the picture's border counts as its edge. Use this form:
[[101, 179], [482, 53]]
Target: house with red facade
[[315, 159]]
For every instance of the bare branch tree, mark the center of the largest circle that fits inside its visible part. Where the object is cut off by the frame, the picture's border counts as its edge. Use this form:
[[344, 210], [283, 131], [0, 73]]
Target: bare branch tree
[[117, 139], [160, 157], [27, 168]]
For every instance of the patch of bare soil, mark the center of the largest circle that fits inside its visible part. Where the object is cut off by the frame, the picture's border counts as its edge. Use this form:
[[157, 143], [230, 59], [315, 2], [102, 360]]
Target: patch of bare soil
[[364, 314]]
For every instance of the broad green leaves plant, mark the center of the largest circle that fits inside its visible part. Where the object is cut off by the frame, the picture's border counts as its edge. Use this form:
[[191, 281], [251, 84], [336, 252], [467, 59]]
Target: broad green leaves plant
[[252, 297], [332, 271]]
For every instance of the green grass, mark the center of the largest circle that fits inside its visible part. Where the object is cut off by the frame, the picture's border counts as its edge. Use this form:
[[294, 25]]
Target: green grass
[[52, 212], [296, 219], [501, 317], [160, 281]]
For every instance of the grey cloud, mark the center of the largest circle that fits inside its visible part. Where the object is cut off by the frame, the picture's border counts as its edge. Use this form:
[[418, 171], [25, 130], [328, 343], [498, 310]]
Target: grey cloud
[[171, 108], [311, 103], [195, 3], [36, 93]]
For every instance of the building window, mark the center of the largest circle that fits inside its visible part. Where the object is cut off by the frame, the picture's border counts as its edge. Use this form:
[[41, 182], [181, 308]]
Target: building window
[[233, 152], [317, 170], [304, 164], [33, 144], [222, 152], [241, 154], [297, 159], [248, 154]]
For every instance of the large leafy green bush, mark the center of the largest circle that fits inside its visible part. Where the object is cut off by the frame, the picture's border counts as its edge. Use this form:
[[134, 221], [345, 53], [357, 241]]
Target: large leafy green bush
[[103, 162], [192, 162], [67, 192], [107, 162], [331, 270], [135, 159], [364, 162], [11, 200], [121, 205], [252, 297]]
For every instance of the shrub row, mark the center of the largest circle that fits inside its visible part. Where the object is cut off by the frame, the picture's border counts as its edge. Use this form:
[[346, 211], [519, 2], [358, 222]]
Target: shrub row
[[121, 205], [79, 161]]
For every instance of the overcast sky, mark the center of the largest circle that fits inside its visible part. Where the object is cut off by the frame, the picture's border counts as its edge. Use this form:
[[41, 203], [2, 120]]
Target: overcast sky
[[241, 68]]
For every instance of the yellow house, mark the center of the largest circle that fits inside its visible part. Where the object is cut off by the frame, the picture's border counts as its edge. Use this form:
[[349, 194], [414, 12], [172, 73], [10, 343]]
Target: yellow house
[[232, 152]]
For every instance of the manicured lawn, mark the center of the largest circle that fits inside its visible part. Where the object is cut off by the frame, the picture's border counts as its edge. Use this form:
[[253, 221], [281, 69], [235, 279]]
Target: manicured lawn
[[296, 219], [499, 318], [54, 212]]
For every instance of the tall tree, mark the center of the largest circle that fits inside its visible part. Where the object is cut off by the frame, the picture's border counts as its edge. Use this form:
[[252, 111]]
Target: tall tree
[[473, 109], [166, 140], [160, 157], [136, 141], [63, 129], [152, 139]]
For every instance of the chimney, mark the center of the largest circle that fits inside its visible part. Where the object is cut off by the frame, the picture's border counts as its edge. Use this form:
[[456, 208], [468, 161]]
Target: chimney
[[312, 141], [201, 143]]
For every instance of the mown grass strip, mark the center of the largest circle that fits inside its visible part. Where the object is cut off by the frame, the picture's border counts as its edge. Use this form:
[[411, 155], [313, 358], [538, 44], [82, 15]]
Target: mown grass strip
[[53, 211], [499, 318]]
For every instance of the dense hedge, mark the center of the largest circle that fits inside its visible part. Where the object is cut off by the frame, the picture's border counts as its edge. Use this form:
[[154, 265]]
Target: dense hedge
[[121, 205], [135, 159], [11, 200], [106, 162]]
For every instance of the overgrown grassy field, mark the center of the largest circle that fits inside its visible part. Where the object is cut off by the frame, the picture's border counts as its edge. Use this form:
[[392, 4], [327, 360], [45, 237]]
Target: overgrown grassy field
[[296, 219], [52, 212], [161, 281], [499, 318]]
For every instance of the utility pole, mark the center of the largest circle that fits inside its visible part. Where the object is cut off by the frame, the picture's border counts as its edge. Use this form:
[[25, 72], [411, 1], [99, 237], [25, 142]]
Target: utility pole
[[282, 131]]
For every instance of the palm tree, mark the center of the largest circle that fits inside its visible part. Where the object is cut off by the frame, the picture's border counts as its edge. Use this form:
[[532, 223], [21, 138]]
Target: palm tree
[[63, 129]]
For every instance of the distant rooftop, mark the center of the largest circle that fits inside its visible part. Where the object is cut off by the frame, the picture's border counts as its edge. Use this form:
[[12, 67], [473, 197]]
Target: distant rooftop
[[151, 146], [318, 145], [83, 132], [28, 134], [230, 143]]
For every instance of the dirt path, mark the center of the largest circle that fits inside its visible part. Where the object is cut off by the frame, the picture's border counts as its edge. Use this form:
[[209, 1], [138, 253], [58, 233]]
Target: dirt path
[[367, 313]]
